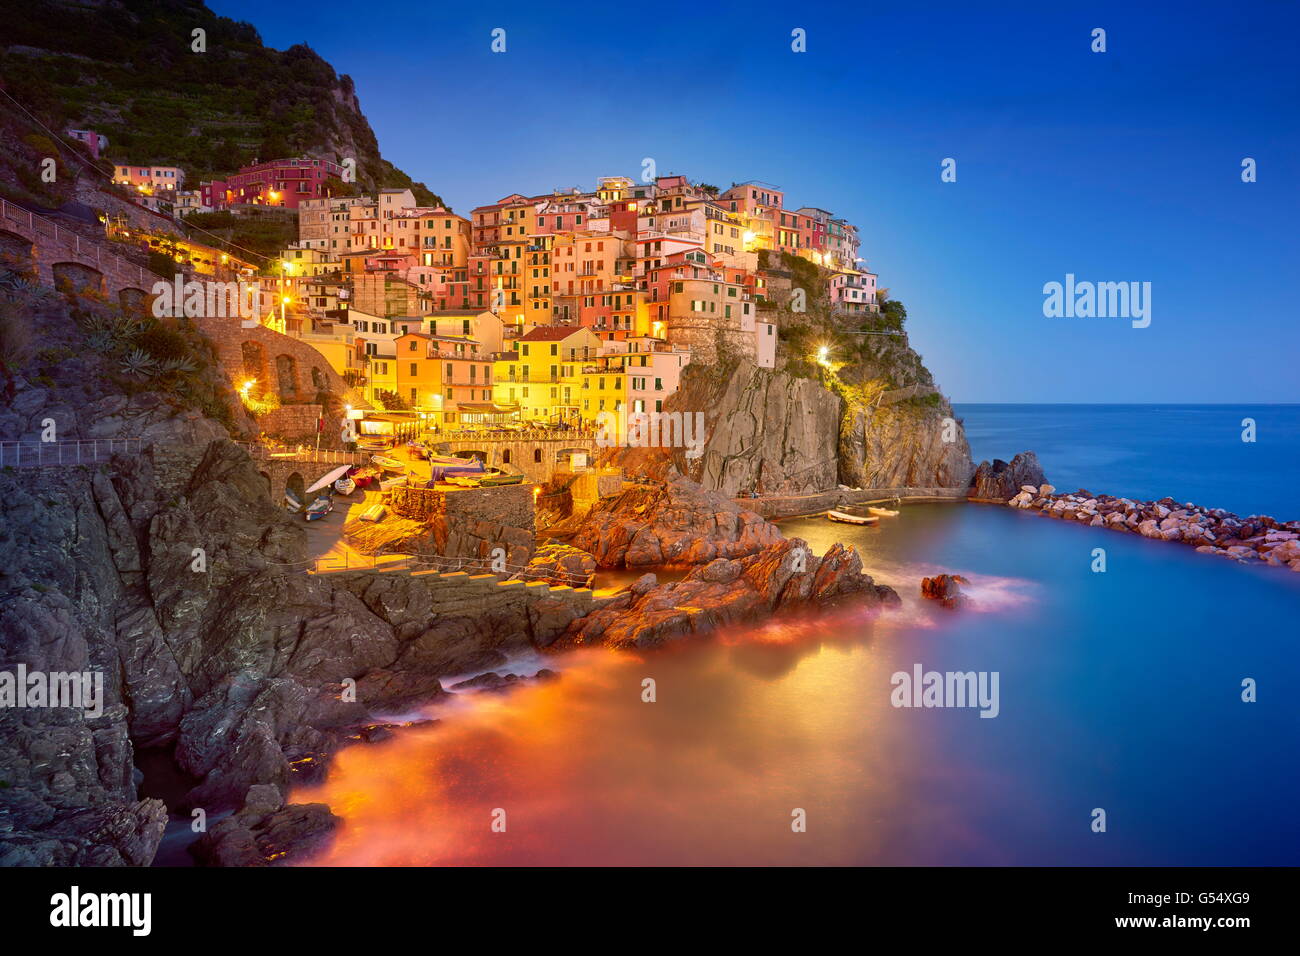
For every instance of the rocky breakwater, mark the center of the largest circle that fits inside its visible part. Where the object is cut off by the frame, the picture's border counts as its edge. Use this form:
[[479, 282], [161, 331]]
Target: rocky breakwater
[[1000, 480], [1255, 538]]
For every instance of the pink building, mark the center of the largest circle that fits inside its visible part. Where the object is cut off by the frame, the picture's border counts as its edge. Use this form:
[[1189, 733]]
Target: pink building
[[95, 142], [280, 182], [853, 291]]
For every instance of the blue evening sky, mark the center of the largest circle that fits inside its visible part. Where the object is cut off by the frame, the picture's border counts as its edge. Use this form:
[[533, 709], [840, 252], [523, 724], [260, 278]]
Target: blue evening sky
[[1115, 166]]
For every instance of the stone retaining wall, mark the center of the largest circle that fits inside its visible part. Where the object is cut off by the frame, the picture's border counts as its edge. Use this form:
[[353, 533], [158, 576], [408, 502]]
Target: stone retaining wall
[[794, 506]]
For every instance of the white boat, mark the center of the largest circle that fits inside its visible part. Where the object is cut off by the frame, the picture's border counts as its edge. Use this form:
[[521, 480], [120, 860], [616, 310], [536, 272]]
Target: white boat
[[373, 513], [882, 513], [849, 519], [345, 485]]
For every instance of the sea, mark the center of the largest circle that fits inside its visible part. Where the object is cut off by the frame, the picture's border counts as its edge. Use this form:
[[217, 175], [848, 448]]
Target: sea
[[1139, 705]]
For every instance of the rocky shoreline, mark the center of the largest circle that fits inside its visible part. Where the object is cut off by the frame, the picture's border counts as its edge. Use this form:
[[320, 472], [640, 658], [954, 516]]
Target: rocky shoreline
[[1252, 539]]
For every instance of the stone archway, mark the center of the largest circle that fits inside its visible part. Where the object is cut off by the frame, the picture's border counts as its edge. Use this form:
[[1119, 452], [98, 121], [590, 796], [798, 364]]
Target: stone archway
[[75, 277], [296, 488], [133, 300], [286, 377], [254, 364]]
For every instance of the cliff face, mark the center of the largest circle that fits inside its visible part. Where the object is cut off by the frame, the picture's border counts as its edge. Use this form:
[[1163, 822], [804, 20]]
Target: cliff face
[[766, 431], [903, 445], [235, 667], [777, 433]]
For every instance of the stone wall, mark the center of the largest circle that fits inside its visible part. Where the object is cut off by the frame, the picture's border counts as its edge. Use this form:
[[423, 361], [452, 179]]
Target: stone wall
[[521, 454], [291, 422], [510, 505], [793, 506], [417, 504]]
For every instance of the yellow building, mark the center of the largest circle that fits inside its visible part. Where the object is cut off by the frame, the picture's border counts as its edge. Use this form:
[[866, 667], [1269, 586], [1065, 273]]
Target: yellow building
[[543, 375]]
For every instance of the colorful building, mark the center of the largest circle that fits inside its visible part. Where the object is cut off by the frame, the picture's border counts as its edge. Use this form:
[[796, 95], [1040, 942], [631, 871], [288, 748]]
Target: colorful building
[[280, 182]]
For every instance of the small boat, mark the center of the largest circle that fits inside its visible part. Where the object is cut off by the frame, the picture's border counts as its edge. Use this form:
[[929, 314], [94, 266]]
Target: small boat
[[495, 476], [850, 519], [388, 484], [389, 464], [373, 513], [345, 485], [882, 513], [319, 508], [292, 504], [364, 477]]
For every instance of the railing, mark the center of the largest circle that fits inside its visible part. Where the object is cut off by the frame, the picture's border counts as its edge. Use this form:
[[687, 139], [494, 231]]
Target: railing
[[579, 436], [40, 226], [262, 452], [20, 454]]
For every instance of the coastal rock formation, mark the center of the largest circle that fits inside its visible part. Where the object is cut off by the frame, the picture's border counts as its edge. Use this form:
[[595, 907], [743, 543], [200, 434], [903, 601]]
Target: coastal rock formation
[[1210, 530], [944, 588], [676, 524], [560, 564], [772, 432], [903, 445], [265, 832], [1001, 480], [727, 591], [766, 431]]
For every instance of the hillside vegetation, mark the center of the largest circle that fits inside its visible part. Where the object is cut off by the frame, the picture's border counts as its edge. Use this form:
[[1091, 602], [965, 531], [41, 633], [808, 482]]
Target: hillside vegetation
[[128, 71]]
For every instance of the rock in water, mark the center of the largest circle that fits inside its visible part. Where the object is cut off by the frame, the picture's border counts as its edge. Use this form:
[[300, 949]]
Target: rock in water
[[265, 832], [1001, 481], [945, 588]]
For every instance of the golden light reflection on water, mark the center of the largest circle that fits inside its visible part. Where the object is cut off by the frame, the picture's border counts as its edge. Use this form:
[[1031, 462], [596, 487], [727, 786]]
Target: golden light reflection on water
[[746, 727]]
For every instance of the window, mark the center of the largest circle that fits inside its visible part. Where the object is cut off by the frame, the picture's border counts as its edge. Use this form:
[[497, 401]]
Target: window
[[415, 370], [537, 454]]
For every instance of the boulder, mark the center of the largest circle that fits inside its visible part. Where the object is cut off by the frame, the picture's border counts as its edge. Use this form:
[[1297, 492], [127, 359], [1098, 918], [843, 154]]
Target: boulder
[[1000, 480], [678, 523], [946, 589]]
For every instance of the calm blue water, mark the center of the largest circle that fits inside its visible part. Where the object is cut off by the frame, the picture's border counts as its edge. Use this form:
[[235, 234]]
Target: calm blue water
[[1119, 690], [1189, 452]]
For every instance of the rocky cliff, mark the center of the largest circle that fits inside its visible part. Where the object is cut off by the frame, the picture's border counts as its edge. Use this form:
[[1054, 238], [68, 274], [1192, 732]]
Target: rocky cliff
[[795, 432], [169, 571]]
